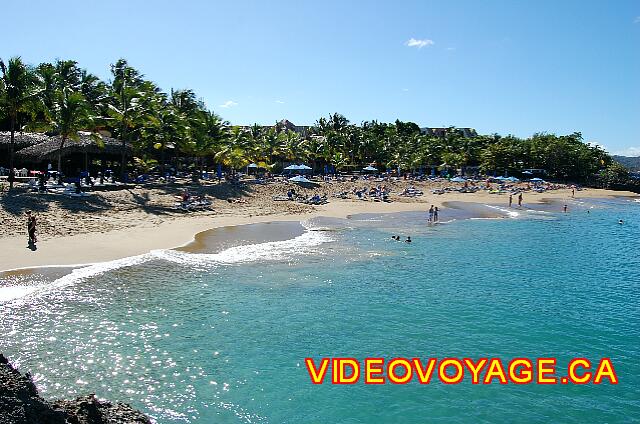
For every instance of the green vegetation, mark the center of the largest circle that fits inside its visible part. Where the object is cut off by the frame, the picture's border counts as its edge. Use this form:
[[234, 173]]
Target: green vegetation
[[177, 128]]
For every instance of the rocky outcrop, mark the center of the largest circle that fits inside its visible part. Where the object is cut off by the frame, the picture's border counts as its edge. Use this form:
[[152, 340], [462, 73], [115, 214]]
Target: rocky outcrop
[[20, 403]]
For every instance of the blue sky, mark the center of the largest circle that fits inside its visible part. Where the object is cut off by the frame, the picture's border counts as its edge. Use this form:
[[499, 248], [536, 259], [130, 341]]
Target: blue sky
[[511, 67]]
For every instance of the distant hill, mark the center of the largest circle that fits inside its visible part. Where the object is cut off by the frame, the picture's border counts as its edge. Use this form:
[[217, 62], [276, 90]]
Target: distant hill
[[633, 163]]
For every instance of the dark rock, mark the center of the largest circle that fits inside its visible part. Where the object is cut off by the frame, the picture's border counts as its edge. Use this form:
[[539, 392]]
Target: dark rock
[[20, 403]]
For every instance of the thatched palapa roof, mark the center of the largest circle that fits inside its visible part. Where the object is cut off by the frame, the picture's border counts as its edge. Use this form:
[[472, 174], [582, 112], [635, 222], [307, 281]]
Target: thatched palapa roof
[[22, 139], [47, 147]]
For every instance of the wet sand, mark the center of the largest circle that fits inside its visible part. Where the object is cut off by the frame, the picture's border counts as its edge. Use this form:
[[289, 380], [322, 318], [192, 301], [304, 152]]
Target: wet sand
[[218, 239]]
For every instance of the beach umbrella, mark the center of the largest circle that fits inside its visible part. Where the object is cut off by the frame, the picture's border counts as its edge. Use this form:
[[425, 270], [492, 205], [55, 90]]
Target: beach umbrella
[[458, 180], [500, 178], [536, 180], [299, 179], [370, 168], [304, 168], [292, 168], [527, 173], [252, 165], [512, 179]]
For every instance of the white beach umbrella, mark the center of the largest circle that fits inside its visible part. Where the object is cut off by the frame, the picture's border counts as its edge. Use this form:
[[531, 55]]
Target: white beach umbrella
[[370, 168], [299, 179]]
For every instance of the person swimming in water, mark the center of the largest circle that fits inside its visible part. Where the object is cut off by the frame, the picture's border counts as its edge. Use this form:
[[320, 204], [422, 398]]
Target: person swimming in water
[[408, 240], [620, 222]]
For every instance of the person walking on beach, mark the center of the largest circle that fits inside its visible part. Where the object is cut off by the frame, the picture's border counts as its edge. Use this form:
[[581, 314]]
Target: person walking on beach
[[31, 228], [520, 200], [565, 208], [510, 200], [435, 214], [431, 214], [573, 191]]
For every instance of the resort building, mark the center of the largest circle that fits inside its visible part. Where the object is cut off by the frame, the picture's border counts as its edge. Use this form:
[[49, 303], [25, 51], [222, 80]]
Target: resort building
[[442, 132]]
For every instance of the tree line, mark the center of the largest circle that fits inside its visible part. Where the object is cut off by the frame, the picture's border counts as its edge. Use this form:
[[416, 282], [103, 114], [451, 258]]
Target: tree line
[[61, 98]]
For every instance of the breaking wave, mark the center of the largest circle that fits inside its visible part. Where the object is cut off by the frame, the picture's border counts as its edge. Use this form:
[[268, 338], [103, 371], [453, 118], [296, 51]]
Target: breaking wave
[[268, 251]]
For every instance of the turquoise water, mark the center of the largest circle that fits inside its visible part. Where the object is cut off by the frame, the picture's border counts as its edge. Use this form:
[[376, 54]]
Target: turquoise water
[[221, 338]]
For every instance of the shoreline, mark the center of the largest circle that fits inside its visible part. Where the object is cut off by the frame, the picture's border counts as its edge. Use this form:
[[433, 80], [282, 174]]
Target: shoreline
[[96, 247]]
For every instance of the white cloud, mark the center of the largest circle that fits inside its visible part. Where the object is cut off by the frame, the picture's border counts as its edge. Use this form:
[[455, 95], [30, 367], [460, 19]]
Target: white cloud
[[596, 144], [405, 89], [636, 20], [228, 104], [419, 43], [280, 102], [629, 151]]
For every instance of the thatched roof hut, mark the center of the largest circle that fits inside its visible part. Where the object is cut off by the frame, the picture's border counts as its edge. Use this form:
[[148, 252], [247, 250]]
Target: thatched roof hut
[[22, 139], [47, 147]]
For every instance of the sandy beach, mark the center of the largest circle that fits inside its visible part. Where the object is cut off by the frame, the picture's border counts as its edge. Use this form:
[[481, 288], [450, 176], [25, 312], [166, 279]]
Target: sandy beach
[[113, 225]]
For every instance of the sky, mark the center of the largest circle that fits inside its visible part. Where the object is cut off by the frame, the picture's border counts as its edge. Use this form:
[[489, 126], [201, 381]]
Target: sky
[[508, 67]]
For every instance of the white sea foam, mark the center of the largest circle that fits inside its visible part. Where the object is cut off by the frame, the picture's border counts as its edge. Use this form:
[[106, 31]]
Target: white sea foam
[[269, 251], [276, 250], [10, 293], [14, 292], [510, 213]]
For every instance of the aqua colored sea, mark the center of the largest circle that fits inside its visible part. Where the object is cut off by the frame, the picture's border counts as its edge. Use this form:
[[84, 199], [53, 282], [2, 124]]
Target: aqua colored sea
[[221, 337]]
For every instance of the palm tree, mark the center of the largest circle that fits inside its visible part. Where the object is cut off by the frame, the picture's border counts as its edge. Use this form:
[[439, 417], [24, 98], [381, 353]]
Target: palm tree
[[71, 114], [232, 152], [19, 94], [125, 108]]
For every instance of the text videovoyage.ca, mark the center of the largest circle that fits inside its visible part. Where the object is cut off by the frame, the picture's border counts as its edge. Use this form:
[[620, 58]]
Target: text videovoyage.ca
[[457, 370]]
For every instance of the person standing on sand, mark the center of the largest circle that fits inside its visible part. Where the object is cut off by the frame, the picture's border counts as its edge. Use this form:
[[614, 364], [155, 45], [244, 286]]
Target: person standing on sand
[[510, 200], [520, 200], [31, 228]]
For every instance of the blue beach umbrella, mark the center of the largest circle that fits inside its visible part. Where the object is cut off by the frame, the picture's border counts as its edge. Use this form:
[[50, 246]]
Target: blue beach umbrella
[[458, 180]]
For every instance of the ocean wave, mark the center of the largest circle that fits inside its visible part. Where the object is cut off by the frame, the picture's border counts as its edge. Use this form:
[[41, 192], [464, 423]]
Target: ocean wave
[[269, 251], [276, 250], [12, 293]]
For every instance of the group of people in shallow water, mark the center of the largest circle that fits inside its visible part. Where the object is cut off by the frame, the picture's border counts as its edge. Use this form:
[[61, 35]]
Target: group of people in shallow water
[[433, 217], [433, 214], [397, 238], [519, 200]]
